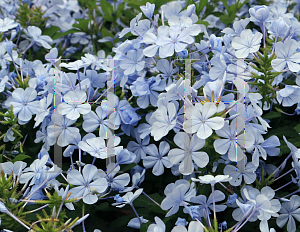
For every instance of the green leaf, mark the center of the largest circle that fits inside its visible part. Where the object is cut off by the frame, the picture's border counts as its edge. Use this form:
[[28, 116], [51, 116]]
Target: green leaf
[[144, 226], [217, 14], [158, 4], [297, 128], [226, 5], [82, 25], [145, 202], [209, 9], [61, 34], [203, 22], [272, 115], [121, 221], [128, 167], [51, 31], [108, 10], [119, 10], [106, 32], [287, 131], [225, 19], [232, 9], [136, 4], [103, 206], [201, 5], [20, 157]]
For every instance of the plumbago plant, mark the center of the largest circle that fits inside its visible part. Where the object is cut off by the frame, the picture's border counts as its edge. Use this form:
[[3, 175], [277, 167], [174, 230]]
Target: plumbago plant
[[144, 132]]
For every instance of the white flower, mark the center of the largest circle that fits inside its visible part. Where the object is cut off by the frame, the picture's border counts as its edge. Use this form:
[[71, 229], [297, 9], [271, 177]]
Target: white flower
[[209, 179]]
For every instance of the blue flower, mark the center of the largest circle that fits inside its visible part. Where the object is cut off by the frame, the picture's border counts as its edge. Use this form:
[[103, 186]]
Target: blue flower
[[159, 225], [52, 55], [147, 89], [259, 14], [118, 112], [135, 222], [218, 69], [183, 54], [138, 176], [63, 193], [93, 120], [62, 129], [239, 171], [9, 135], [176, 39], [288, 213], [246, 43], [235, 140], [289, 95], [118, 199], [97, 80], [35, 35], [215, 43], [96, 147], [262, 148], [194, 211], [128, 198], [165, 120], [15, 168], [181, 221], [7, 24], [115, 182], [132, 26], [238, 27], [74, 105], [232, 199], [3, 83], [3, 208], [148, 10], [285, 56], [167, 70], [222, 226], [150, 38], [43, 135], [207, 204], [156, 158], [76, 65], [88, 179], [35, 171], [278, 28], [129, 116], [188, 152], [43, 110], [171, 9], [133, 61], [140, 147], [199, 120], [9, 46], [177, 195], [24, 104]]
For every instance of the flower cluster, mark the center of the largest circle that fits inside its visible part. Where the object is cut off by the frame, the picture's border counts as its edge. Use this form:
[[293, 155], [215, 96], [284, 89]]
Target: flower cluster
[[173, 104]]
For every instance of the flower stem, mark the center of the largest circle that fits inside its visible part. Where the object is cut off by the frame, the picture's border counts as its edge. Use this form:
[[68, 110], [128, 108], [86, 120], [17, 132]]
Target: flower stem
[[136, 213], [291, 193], [202, 225], [283, 186], [214, 203], [151, 199], [284, 174]]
